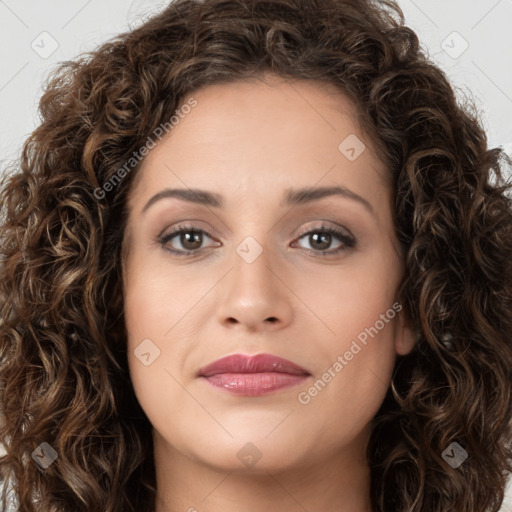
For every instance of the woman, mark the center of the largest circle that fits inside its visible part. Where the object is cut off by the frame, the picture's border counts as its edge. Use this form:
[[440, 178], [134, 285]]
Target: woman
[[173, 338]]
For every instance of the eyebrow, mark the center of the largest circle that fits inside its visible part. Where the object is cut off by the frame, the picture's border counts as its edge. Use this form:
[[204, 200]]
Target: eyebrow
[[293, 197]]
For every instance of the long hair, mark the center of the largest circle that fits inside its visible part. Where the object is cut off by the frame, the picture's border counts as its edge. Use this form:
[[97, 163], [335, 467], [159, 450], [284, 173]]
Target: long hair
[[65, 386]]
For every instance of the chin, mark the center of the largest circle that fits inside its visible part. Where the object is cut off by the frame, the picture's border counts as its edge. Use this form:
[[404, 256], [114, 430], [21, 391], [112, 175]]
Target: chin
[[250, 450]]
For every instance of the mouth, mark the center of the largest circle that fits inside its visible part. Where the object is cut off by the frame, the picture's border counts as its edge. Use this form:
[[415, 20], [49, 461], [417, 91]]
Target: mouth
[[253, 375]]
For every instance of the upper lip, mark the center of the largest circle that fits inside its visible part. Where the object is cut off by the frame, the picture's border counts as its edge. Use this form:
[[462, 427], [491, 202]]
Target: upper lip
[[240, 363]]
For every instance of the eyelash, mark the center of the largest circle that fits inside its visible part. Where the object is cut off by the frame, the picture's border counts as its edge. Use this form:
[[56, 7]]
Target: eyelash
[[348, 241]]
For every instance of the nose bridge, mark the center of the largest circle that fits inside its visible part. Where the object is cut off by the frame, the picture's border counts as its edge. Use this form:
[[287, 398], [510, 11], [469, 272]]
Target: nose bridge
[[254, 295], [254, 249], [256, 255], [252, 261]]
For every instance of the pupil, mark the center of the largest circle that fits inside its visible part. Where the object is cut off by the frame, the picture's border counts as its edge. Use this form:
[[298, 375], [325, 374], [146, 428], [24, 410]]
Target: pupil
[[326, 236], [187, 240]]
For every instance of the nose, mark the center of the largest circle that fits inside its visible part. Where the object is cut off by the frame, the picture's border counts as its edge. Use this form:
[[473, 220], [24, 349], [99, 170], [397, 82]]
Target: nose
[[255, 297]]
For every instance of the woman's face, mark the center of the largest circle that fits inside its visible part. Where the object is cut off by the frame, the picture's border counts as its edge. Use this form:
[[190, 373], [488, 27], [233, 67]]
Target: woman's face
[[261, 275]]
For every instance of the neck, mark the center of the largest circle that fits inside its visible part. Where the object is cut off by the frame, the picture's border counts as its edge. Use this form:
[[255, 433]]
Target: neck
[[335, 483]]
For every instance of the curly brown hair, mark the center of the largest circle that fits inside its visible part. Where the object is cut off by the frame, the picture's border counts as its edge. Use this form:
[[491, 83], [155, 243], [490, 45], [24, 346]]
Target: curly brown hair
[[63, 361]]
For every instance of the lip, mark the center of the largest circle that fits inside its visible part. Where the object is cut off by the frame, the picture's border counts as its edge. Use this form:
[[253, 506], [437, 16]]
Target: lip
[[253, 375], [259, 363]]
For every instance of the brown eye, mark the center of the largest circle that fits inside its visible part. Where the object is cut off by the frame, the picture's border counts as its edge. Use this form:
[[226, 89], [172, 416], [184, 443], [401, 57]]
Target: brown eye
[[320, 240], [189, 239]]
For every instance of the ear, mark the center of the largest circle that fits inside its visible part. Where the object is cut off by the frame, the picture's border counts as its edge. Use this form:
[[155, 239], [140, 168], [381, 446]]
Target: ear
[[406, 336]]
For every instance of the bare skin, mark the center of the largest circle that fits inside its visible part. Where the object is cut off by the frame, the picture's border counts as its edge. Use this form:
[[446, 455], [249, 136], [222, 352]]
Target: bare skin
[[250, 142]]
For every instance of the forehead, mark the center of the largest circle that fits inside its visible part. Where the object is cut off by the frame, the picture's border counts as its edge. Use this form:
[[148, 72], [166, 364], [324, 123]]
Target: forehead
[[252, 134]]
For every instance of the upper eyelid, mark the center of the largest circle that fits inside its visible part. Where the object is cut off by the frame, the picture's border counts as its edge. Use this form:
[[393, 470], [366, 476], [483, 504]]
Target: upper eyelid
[[194, 227], [325, 226], [191, 227]]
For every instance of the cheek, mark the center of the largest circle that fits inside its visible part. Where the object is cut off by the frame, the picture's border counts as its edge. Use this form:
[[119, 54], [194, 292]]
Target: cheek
[[149, 316], [350, 298], [357, 316], [156, 299], [145, 325], [355, 378], [160, 323]]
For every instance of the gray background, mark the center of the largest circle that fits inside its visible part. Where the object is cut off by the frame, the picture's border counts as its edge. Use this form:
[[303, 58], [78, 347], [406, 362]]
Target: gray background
[[470, 41], [484, 69]]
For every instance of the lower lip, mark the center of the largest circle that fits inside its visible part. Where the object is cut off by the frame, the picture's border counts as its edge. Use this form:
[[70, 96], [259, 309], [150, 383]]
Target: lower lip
[[254, 384]]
